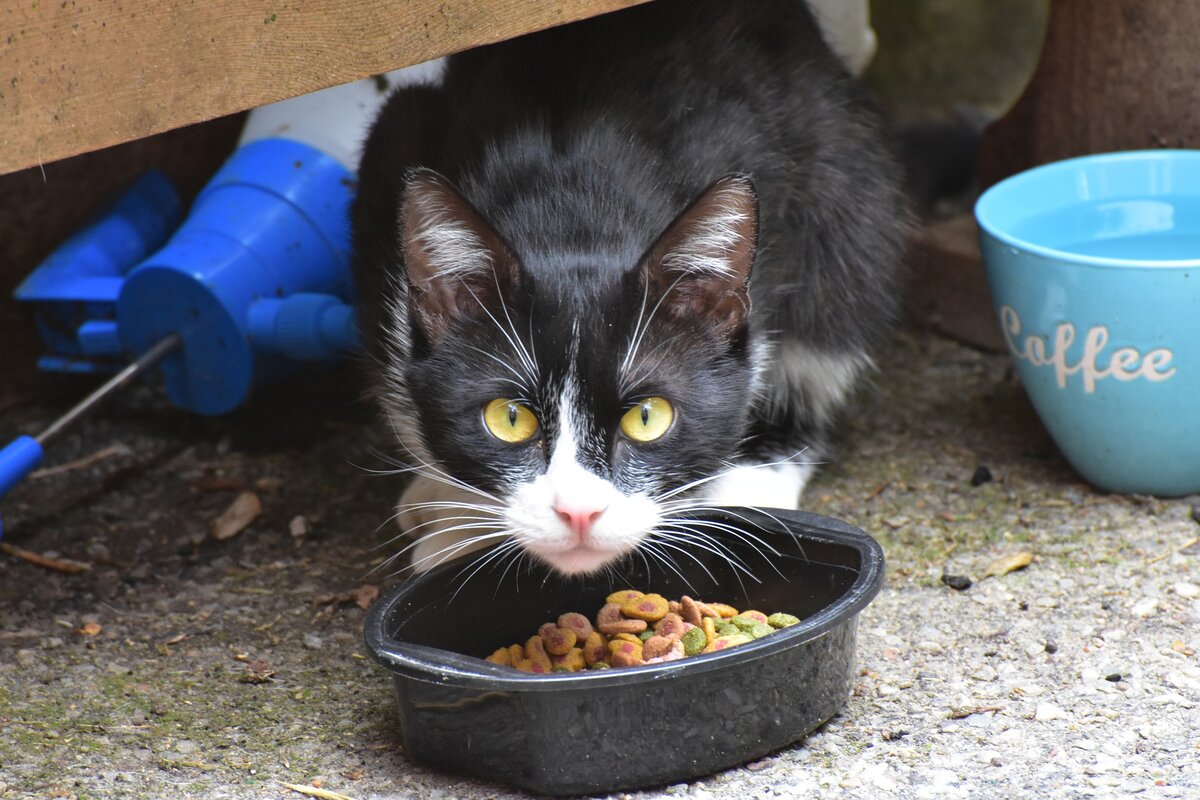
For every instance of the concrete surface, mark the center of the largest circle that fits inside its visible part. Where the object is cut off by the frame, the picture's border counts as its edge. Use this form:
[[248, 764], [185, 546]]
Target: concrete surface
[[1074, 677]]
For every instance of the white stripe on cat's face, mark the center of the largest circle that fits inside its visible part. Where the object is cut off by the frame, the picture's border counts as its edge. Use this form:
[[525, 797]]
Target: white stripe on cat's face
[[607, 523]]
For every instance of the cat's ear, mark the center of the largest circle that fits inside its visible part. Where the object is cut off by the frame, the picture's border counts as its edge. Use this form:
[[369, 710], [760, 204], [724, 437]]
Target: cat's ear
[[455, 262], [700, 266]]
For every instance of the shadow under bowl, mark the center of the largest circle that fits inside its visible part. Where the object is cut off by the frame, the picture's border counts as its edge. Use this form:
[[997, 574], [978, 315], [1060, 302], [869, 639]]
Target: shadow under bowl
[[607, 730]]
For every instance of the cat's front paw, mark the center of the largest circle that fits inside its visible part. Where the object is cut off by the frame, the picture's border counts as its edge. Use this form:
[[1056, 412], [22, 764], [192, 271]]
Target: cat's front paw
[[446, 521], [760, 486]]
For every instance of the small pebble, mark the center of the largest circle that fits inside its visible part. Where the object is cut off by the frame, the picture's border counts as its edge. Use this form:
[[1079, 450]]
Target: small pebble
[[1114, 677], [1048, 711], [312, 641], [1145, 607], [981, 475], [959, 583], [299, 526]]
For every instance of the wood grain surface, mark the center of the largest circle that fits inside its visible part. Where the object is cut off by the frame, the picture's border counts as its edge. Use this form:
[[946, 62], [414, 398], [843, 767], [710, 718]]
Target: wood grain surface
[[78, 75]]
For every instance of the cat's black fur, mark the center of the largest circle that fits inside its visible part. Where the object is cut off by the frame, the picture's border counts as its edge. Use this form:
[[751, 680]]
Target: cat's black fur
[[579, 146]]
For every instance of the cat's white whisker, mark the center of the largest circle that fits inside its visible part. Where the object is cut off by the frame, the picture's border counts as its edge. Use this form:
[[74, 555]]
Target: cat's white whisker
[[450, 551], [743, 534], [524, 353], [499, 552], [641, 333], [730, 465], [496, 530], [666, 561], [439, 520], [668, 545], [427, 470], [701, 542], [531, 370], [695, 537], [636, 337], [521, 380]]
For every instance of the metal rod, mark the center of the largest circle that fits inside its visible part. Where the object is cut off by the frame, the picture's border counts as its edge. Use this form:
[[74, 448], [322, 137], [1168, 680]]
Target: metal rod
[[118, 381]]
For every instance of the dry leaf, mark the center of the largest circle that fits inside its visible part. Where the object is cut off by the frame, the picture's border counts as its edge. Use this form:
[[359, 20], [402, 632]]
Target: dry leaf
[[241, 512], [258, 671], [365, 595], [313, 791], [1009, 563]]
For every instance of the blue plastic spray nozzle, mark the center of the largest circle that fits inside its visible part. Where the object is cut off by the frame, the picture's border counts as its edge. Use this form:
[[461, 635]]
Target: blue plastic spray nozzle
[[271, 224], [255, 281], [73, 293]]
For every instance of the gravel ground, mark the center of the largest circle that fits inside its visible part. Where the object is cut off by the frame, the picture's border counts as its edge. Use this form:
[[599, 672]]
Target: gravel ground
[[181, 666]]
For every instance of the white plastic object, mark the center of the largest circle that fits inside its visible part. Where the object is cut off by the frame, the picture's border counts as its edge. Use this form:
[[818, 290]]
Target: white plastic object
[[335, 120]]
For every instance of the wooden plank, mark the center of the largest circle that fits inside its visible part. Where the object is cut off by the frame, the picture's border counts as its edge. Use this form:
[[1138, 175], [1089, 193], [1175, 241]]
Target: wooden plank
[[78, 75]]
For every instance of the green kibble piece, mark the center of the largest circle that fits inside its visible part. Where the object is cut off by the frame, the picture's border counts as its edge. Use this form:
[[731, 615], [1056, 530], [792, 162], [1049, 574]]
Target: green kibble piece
[[694, 642], [781, 620], [561, 669], [745, 622], [646, 634], [726, 628], [601, 665], [759, 630]]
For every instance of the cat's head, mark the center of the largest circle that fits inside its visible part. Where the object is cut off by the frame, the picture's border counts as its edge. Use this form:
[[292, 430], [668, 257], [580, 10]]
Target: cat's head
[[582, 402]]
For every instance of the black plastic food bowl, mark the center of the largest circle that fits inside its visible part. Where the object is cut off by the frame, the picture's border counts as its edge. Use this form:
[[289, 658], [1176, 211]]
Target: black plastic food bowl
[[600, 731]]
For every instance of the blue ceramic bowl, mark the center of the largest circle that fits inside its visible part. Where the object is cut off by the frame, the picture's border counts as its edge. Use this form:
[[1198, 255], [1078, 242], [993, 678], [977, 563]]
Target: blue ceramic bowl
[[1094, 267]]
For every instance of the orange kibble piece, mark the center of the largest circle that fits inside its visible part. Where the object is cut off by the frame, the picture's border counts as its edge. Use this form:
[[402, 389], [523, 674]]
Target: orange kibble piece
[[623, 660], [627, 637], [608, 613], [595, 648], [710, 628], [558, 641], [578, 623], [535, 667], [535, 651], [670, 625], [623, 596], [648, 607], [500, 657], [689, 609], [515, 653], [657, 646], [572, 660], [723, 610], [757, 616], [727, 641], [624, 626], [623, 648]]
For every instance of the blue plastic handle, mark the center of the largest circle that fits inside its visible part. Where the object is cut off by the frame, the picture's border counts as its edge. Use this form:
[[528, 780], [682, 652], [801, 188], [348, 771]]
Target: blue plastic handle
[[19, 458]]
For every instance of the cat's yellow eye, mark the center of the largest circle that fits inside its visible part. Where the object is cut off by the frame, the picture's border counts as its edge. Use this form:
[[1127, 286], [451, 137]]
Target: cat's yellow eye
[[510, 421], [648, 420]]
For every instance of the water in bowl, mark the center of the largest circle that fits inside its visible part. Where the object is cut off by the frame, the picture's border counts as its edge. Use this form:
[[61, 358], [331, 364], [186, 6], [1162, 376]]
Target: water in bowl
[[1134, 229]]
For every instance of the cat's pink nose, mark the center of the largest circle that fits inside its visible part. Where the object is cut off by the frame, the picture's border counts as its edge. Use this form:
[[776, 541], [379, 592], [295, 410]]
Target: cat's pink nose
[[579, 518]]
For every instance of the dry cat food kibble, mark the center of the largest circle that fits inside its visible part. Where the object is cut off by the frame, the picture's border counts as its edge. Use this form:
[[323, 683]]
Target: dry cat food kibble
[[634, 628]]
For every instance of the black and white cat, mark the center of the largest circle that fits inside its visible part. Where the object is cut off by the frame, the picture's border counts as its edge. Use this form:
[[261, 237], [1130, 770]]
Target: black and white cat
[[622, 269]]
